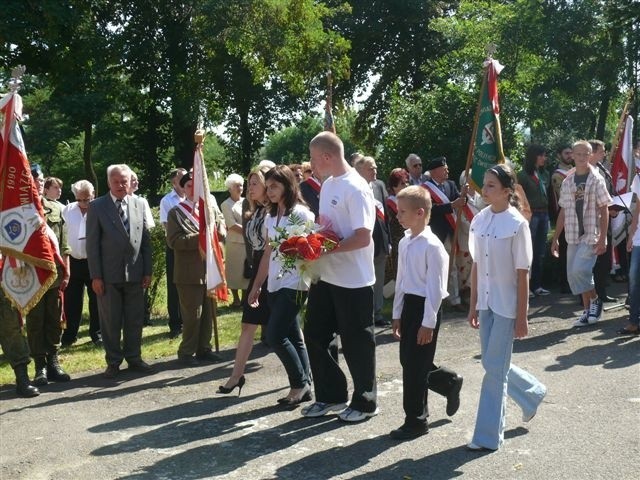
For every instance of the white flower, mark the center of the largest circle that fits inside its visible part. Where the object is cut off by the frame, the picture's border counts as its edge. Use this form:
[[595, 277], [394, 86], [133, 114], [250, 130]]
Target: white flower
[[295, 230]]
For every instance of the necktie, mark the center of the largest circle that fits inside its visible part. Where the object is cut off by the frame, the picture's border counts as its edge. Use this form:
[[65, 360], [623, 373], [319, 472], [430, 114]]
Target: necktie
[[123, 214]]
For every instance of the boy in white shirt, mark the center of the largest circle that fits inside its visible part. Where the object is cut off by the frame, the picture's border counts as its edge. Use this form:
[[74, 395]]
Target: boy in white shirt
[[421, 285]]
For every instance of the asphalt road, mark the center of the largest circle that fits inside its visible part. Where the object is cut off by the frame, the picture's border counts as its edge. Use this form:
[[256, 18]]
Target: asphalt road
[[172, 424]]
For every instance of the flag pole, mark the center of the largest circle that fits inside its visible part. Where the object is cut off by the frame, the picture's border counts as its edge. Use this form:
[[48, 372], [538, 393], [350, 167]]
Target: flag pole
[[199, 140], [329, 123], [476, 117], [491, 48], [621, 122]]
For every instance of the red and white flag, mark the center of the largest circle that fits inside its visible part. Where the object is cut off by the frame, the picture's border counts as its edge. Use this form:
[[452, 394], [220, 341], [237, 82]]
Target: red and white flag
[[209, 244], [29, 267], [623, 158]]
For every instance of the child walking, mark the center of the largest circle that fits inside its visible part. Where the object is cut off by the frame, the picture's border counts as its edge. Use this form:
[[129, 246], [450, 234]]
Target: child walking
[[421, 284], [500, 245]]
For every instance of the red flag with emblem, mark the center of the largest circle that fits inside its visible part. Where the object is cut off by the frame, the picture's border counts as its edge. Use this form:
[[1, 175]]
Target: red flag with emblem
[[29, 253]]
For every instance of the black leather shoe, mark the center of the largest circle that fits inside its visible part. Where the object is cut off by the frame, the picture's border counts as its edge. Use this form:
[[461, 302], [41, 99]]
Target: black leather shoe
[[140, 366], [208, 356], [174, 333], [112, 371], [453, 397], [406, 432], [382, 322], [188, 360]]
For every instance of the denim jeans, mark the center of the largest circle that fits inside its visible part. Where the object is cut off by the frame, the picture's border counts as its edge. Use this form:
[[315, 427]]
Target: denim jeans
[[634, 286], [285, 337], [539, 227], [501, 378]]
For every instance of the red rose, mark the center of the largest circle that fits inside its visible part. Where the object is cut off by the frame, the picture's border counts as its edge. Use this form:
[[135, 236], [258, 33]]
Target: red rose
[[288, 247], [306, 250], [315, 241]]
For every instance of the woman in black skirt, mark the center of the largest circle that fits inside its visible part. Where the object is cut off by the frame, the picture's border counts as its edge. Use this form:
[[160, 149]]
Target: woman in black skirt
[[255, 238]]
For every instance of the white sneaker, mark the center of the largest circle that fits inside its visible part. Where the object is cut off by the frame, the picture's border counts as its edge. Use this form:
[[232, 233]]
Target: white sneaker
[[583, 321], [353, 415], [595, 311], [541, 291], [318, 409]]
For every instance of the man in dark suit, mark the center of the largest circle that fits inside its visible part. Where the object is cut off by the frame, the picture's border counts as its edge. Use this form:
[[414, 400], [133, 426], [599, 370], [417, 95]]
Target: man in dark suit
[[119, 254], [446, 199]]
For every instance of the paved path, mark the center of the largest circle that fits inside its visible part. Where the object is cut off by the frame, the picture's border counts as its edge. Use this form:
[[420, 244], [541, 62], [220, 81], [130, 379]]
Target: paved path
[[171, 425]]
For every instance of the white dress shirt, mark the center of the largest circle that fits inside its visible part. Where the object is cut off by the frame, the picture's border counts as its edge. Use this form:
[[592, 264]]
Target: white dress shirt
[[169, 201], [423, 270], [76, 224]]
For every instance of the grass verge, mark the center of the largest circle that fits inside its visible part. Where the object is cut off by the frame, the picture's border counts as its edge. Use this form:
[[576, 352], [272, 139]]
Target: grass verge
[[83, 356]]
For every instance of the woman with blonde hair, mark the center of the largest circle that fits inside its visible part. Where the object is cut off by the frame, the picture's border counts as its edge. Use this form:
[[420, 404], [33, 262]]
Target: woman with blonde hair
[[255, 236]]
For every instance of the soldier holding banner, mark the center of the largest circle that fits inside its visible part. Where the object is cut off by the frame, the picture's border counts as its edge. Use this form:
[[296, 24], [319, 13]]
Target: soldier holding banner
[[189, 276], [44, 321]]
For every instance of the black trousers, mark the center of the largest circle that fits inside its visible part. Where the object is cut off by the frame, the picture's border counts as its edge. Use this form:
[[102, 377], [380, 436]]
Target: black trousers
[[79, 278], [173, 302], [349, 313], [416, 360]]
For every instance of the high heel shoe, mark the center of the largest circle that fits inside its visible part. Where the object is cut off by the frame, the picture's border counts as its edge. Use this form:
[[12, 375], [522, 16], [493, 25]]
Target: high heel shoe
[[227, 390], [304, 396]]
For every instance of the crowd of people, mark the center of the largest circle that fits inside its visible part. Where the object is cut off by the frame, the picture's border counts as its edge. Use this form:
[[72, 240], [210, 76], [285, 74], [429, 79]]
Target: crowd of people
[[428, 241]]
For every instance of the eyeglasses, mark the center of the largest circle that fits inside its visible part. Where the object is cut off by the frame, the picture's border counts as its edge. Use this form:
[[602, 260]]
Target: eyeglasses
[[83, 200]]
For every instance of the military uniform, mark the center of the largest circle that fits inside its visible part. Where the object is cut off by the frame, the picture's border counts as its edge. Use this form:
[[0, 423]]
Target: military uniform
[[196, 308], [15, 347], [44, 328]]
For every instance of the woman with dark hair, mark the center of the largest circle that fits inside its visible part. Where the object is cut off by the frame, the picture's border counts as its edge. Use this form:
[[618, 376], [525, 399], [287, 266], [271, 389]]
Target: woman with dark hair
[[287, 289], [500, 245], [255, 238], [398, 179], [534, 180]]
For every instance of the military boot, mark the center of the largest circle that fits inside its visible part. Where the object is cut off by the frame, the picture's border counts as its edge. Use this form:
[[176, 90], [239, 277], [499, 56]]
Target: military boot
[[54, 370], [41, 372], [23, 385]]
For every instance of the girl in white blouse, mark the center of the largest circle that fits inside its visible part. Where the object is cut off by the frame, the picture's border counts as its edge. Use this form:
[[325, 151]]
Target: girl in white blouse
[[500, 245]]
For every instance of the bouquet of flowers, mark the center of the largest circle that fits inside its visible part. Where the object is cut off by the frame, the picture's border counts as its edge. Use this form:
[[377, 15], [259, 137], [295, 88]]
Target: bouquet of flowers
[[301, 242]]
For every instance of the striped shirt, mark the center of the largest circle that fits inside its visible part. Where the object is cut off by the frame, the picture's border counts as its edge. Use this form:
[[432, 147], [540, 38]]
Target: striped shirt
[[595, 197]]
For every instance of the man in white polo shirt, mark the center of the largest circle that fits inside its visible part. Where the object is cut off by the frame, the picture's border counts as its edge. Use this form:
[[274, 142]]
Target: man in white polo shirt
[[342, 301]]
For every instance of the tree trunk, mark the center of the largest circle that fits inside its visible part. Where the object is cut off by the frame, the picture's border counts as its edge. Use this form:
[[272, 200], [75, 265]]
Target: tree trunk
[[603, 110], [246, 147], [86, 156]]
